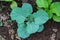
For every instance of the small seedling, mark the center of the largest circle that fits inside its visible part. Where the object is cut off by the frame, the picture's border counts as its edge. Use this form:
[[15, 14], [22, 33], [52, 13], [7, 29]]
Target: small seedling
[[28, 23]]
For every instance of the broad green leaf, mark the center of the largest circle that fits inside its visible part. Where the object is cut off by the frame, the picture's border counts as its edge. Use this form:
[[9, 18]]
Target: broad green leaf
[[32, 27], [56, 18], [43, 3], [21, 31], [27, 8], [41, 28], [55, 8], [13, 5], [40, 17]]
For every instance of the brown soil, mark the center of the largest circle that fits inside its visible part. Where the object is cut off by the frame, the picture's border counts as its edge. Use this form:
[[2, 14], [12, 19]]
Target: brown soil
[[8, 30]]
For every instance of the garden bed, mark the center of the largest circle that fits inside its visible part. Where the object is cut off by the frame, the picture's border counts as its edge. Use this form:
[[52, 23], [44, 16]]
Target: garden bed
[[8, 30]]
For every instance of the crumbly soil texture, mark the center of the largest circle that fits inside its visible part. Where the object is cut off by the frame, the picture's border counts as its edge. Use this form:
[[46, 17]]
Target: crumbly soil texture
[[9, 28]]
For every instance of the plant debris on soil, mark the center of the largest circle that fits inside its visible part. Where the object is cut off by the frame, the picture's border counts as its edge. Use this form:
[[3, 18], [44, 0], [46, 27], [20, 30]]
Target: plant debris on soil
[[8, 30]]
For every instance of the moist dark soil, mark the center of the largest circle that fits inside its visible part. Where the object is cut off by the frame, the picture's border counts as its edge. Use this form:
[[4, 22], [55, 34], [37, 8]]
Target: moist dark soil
[[8, 30]]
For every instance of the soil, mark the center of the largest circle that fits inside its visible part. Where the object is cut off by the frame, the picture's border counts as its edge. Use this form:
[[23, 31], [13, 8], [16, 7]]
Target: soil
[[8, 30]]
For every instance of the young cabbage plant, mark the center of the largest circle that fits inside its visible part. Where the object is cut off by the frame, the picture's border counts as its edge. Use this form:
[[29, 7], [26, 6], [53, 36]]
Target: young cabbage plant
[[28, 22]]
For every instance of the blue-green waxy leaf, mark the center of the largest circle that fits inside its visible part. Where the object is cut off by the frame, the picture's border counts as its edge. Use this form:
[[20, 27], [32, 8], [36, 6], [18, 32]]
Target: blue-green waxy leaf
[[17, 14], [56, 18], [41, 28], [43, 3], [34, 21], [21, 31], [13, 5], [20, 19], [20, 14], [40, 17], [27, 8], [55, 8], [32, 27]]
